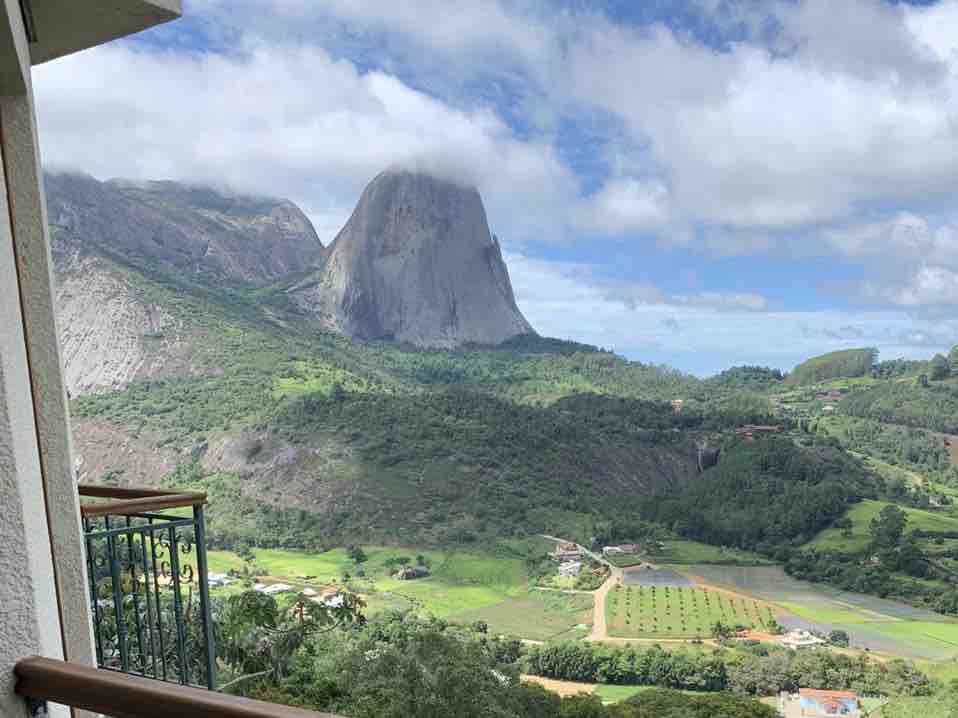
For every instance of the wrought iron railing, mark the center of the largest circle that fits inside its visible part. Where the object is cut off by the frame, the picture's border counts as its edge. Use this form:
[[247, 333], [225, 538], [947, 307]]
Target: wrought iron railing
[[149, 585]]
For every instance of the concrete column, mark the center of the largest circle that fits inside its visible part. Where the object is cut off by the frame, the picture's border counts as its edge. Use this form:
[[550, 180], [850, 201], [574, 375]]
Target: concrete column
[[28, 221], [44, 606], [29, 617]]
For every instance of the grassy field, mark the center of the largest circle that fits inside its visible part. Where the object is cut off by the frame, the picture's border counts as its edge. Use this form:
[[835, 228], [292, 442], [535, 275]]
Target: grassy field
[[663, 612], [624, 560], [680, 551], [460, 583], [861, 515], [539, 615]]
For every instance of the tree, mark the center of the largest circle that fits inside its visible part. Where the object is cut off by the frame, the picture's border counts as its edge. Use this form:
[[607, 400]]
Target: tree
[[888, 527], [357, 555], [953, 359], [838, 638], [846, 526], [939, 368]]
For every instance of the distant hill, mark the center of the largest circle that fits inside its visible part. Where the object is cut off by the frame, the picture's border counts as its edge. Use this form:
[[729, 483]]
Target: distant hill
[[844, 364]]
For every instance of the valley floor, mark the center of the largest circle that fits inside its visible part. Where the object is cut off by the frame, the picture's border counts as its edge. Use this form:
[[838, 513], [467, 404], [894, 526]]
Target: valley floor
[[471, 586]]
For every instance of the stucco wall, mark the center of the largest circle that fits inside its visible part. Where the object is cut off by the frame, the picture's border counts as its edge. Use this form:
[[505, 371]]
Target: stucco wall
[[35, 269], [29, 620]]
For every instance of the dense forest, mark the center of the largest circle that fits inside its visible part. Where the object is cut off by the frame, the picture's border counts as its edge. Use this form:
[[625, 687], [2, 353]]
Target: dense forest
[[934, 406], [766, 494]]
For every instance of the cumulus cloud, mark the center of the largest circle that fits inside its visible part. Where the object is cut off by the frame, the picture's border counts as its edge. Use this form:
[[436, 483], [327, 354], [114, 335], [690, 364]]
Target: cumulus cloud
[[709, 333], [287, 121], [812, 127]]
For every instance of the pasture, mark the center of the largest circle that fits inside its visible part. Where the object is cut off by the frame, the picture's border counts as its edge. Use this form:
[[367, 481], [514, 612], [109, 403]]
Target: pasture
[[538, 615], [677, 612], [683, 551], [459, 582], [861, 515]]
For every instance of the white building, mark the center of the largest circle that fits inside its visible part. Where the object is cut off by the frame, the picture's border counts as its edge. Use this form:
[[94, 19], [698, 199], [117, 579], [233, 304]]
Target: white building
[[570, 568], [611, 550], [272, 589], [801, 638]]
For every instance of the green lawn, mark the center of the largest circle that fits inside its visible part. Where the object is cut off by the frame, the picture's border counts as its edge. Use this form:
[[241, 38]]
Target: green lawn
[[664, 612], [539, 616], [861, 515]]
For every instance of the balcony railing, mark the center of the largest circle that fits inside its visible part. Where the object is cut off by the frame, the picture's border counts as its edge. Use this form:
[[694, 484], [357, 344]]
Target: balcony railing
[[40, 680], [149, 586]]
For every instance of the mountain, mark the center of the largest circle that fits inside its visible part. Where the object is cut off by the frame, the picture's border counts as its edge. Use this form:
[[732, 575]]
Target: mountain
[[222, 236], [106, 235], [210, 339], [416, 263]]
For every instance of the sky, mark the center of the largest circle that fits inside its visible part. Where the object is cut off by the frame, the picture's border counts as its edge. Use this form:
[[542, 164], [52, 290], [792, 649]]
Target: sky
[[704, 184]]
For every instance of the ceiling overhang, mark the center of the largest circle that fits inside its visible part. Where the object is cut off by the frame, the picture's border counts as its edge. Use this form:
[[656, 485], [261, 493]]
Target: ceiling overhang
[[60, 27]]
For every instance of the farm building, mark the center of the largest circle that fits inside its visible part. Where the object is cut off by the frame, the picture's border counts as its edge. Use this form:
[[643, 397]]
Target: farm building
[[566, 552], [409, 573], [801, 639], [219, 579], [808, 703], [272, 589], [621, 549], [570, 568], [749, 431]]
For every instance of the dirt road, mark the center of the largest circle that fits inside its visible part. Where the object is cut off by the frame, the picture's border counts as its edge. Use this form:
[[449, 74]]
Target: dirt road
[[600, 630]]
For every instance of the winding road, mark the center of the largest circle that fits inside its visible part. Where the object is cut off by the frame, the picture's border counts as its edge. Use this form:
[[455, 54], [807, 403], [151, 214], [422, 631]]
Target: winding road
[[600, 630]]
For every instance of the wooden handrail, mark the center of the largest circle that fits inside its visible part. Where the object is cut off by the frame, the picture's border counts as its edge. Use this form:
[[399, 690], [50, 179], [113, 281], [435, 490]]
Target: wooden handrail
[[124, 696], [134, 501]]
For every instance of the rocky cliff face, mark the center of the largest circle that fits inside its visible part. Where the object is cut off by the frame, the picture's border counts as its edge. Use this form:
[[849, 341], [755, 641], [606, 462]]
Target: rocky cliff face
[[179, 228], [107, 235], [416, 262]]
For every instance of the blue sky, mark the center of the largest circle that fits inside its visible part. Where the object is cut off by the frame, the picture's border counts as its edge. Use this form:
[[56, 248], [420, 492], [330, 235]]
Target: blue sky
[[702, 184]]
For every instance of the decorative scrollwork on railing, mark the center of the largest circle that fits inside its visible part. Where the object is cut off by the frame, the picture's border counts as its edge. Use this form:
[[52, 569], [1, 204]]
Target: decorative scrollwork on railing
[[186, 573], [148, 620]]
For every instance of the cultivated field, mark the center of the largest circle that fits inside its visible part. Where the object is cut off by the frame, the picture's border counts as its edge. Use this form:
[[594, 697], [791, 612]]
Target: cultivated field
[[539, 616], [874, 623], [676, 612]]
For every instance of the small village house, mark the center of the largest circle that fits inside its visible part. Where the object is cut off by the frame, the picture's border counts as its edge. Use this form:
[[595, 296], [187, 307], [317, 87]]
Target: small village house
[[409, 573], [566, 551], [800, 638], [809, 703], [570, 568]]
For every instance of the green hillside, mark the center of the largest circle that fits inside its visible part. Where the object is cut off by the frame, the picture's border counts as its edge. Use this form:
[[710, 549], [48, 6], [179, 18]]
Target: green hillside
[[861, 515], [834, 365], [933, 407]]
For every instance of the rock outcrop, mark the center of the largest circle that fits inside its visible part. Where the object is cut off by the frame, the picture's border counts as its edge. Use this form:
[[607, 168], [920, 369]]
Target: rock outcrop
[[416, 263], [178, 228], [107, 237]]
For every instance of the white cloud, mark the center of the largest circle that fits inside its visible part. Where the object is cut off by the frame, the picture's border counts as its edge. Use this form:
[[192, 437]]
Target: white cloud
[[286, 121], [626, 205], [786, 141], [706, 333]]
